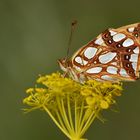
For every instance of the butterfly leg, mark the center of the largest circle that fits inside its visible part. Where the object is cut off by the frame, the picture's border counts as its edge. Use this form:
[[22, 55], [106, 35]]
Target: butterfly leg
[[65, 74]]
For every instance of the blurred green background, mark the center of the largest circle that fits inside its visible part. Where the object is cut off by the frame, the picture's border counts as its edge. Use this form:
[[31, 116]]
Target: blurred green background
[[33, 35]]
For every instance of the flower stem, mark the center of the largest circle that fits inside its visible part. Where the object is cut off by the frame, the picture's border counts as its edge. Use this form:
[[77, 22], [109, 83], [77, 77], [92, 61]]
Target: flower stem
[[73, 121], [56, 122], [80, 114], [65, 116], [69, 112], [88, 123]]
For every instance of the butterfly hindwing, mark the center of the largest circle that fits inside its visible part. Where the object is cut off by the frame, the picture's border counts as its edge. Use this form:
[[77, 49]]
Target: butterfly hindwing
[[113, 55]]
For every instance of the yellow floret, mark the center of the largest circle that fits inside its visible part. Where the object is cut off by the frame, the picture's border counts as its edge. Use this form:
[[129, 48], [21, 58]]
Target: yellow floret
[[104, 104]]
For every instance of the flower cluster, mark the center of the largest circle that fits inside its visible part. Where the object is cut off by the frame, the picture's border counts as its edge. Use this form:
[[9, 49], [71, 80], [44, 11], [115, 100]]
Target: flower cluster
[[71, 105], [100, 94]]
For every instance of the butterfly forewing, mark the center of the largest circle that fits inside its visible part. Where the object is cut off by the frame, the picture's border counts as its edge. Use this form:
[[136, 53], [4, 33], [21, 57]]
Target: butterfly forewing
[[113, 55]]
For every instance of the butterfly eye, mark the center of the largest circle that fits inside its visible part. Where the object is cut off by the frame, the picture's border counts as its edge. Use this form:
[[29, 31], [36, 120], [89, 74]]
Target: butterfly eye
[[131, 29]]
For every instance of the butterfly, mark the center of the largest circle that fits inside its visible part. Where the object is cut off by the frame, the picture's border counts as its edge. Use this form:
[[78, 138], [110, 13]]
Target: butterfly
[[114, 55]]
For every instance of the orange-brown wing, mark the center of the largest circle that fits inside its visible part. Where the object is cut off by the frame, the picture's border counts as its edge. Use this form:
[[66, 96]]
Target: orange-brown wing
[[113, 55]]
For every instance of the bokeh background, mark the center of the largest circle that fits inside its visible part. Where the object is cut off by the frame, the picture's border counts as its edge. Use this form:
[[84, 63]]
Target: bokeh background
[[33, 35]]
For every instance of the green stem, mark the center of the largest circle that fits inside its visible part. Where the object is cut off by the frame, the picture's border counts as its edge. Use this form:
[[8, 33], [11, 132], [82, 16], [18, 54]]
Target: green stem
[[56, 122], [75, 110], [69, 112], [67, 123], [61, 121], [82, 120], [89, 122], [80, 114], [62, 113]]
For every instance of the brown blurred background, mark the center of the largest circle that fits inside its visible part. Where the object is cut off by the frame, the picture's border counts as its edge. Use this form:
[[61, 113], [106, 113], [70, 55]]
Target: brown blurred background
[[33, 35]]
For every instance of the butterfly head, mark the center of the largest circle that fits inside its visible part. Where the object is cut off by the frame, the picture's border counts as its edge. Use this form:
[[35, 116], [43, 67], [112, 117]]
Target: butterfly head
[[64, 64]]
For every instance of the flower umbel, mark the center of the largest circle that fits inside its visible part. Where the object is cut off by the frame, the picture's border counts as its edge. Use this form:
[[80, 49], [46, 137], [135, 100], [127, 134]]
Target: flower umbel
[[71, 105]]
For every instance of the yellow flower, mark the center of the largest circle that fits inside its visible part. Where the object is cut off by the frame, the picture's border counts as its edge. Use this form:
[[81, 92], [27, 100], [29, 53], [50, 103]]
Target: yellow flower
[[30, 90], [71, 105], [104, 104]]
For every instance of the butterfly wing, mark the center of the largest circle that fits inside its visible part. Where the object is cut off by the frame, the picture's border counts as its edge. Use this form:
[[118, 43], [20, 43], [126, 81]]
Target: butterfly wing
[[113, 55]]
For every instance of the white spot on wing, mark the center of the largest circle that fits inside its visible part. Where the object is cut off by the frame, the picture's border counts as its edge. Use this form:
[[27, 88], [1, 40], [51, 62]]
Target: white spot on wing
[[123, 73], [94, 70], [79, 60], [90, 52], [118, 37], [105, 58], [112, 33], [112, 70], [136, 50], [99, 41], [128, 42], [84, 62], [108, 78], [134, 65], [114, 63], [134, 58], [131, 29]]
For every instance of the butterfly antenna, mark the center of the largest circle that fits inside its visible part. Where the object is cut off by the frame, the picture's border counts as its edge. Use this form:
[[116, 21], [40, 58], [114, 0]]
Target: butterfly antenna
[[73, 25]]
